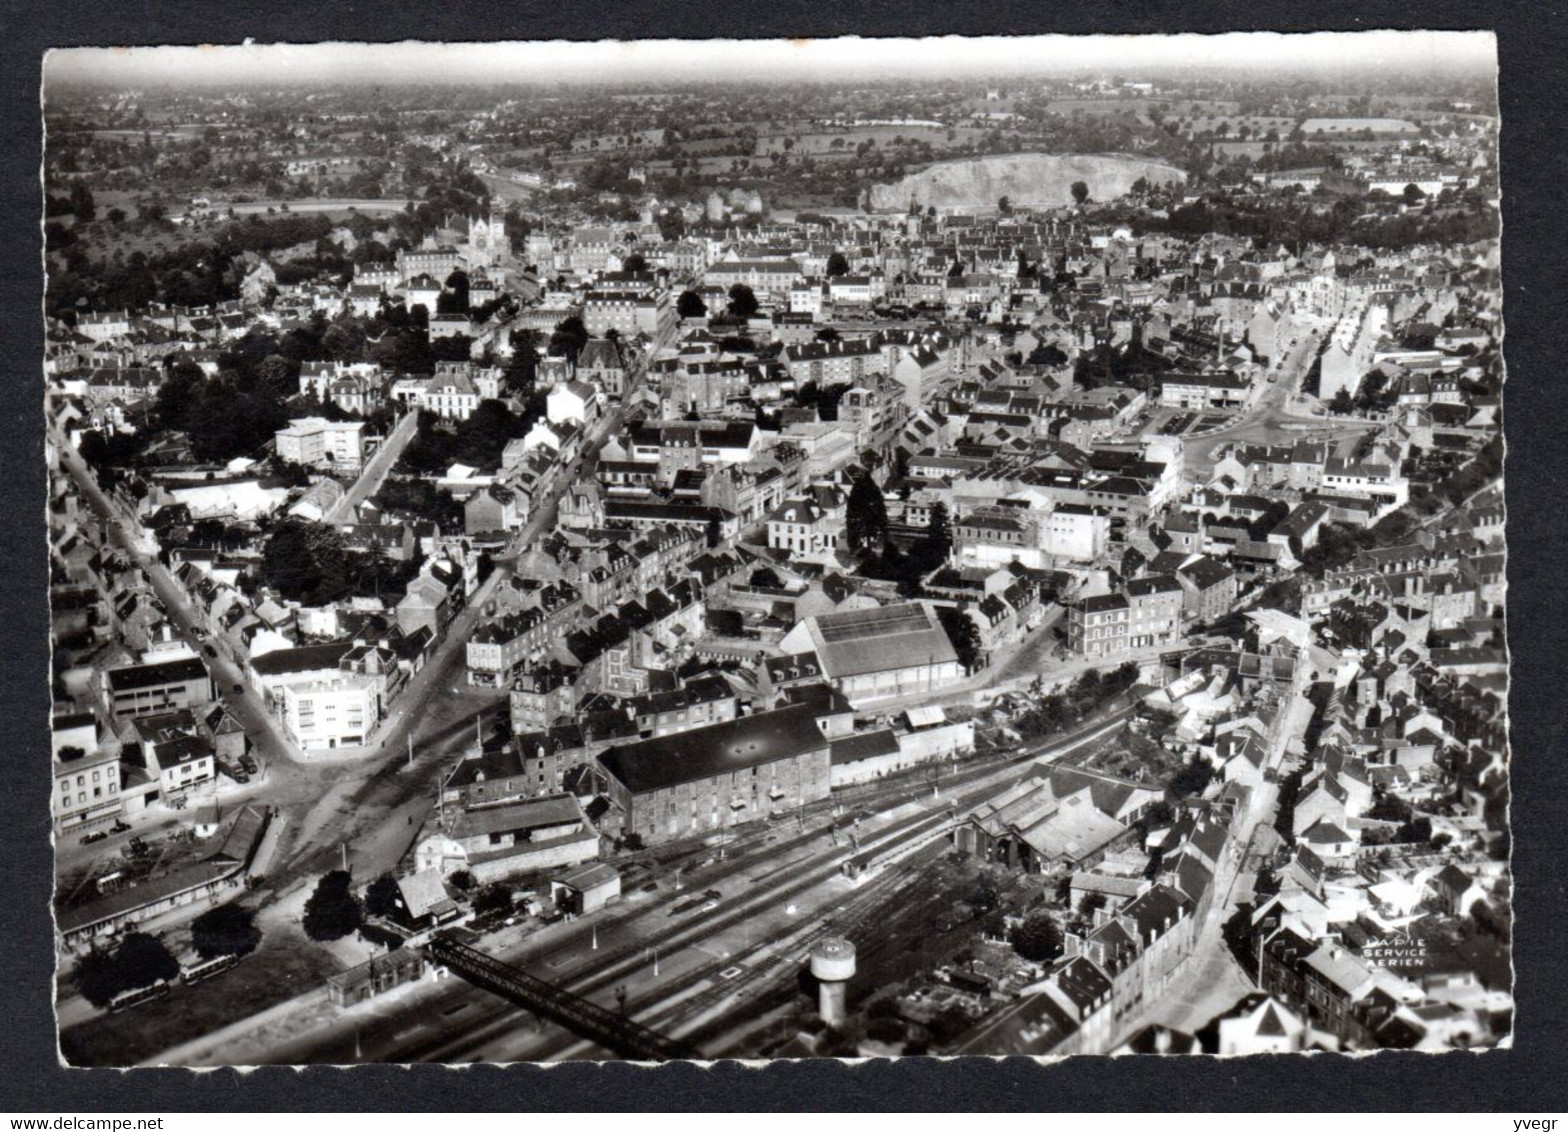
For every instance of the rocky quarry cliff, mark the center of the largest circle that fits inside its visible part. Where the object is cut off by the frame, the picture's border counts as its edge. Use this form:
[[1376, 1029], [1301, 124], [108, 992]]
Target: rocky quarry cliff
[[1042, 180]]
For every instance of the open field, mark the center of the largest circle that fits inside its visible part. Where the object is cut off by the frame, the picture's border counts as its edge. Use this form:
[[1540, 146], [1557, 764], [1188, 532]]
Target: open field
[[286, 965], [938, 137]]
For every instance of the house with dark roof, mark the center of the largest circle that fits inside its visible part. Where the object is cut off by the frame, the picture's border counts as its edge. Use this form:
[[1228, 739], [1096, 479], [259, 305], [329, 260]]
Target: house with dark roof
[[1048, 824], [420, 901], [1209, 586]]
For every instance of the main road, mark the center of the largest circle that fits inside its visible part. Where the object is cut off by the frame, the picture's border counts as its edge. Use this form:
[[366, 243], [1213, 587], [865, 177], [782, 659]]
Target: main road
[[239, 697], [1268, 420]]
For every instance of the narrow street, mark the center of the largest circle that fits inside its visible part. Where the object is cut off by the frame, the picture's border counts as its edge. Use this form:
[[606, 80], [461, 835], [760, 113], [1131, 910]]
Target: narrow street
[[1210, 980], [374, 473], [237, 694]]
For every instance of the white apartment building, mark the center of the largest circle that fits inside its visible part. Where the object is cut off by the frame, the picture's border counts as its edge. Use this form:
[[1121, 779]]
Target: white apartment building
[[87, 788], [1075, 533], [324, 713], [315, 442]]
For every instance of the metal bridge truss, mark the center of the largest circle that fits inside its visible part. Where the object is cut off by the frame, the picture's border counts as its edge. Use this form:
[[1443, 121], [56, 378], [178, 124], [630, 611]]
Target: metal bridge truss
[[587, 1019]]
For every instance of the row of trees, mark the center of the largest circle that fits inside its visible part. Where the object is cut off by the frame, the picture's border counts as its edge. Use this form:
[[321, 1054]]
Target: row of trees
[[1082, 698], [141, 960]]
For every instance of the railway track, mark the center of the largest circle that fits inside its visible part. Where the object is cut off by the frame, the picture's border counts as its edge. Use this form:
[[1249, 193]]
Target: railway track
[[801, 868], [779, 886]]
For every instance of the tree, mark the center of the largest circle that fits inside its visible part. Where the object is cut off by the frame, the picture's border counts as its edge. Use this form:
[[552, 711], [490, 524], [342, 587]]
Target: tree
[[1004, 205], [636, 262], [569, 338], [743, 301], [494, 900], [82, 203], [1193, 778], [379, 895], [1037, 939], [97, 978], [139, 961], [1080, 193], [865, 514], [766, 578], [690, 305], [144, 960], [1413, 195], [228, 929], [333, 911], [523, 367], [961, 630], [837, 265], [938, 539], [306, 562]]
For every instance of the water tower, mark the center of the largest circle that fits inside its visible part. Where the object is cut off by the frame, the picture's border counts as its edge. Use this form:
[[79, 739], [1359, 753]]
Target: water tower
[[832, 965]]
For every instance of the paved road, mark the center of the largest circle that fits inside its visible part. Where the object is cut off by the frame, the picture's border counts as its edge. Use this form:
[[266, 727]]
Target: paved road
[[1271, 419], [374, 474], [324, 204], [246, 705], [1210, 980]]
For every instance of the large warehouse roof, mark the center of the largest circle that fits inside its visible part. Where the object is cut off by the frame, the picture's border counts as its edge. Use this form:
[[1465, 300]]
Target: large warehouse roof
[[720, 748], [885, 639]]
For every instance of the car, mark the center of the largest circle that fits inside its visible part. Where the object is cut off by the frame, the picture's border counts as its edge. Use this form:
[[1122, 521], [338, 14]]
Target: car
[[96, 835], [120, 827]]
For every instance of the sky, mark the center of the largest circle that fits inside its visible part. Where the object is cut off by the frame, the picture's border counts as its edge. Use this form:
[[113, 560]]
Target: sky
[[771, 60]]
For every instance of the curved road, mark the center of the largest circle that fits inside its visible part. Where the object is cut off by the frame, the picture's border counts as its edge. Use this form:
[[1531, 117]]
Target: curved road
[[1269, 420]]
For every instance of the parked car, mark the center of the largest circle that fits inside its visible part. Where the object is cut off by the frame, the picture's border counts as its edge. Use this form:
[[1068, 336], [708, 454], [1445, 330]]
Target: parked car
[[96, 835], [120, 827]]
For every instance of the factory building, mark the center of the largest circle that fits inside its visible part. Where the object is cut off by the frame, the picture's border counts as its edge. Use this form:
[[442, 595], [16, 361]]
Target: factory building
[[879, 654], [721, 775]]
